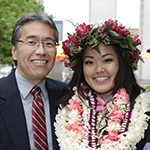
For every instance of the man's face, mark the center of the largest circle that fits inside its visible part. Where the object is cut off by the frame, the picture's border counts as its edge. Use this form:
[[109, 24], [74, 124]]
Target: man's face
[[34, 65]]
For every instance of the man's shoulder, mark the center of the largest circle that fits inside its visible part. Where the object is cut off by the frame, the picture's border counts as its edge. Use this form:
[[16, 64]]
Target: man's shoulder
[[8, 83], [52, 83], [6, 79], [3, 81]]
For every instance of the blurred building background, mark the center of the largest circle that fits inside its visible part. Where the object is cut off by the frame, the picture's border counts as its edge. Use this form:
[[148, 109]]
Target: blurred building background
[[101, 10], [144, 32]]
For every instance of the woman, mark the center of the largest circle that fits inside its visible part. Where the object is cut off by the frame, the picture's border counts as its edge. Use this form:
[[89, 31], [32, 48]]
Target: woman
[[105, 108]]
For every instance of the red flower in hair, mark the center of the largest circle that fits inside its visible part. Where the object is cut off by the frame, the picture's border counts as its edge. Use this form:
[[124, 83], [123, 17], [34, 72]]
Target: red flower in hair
[[82, 29], [133, 55], [138, 51], [119, 29], [74, 40], [65, 47], [67, 63], [136, 40], [110, 21]]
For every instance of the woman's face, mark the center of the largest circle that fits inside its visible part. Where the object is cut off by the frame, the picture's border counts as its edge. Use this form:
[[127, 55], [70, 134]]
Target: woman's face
[[100, 69]]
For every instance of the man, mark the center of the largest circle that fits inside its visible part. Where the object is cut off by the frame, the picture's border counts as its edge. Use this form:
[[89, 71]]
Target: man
[[34, 41]]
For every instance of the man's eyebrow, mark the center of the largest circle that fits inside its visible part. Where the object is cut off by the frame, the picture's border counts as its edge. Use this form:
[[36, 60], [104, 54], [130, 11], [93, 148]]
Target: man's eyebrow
[[31, 36], [49, 38]]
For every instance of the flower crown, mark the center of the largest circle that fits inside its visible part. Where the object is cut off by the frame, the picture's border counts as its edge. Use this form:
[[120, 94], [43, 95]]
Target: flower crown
[[110, 32]]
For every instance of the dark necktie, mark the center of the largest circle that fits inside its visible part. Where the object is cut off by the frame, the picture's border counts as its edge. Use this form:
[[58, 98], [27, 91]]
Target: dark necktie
[[38, 120]]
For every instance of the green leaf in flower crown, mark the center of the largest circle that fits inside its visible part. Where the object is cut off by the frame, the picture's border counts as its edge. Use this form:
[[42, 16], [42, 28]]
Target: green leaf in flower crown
[[69, 34], [114, 34], [91, 32], [134, 65], [108, 28], [124, 43], [74, 61], [131, 46], [96, 46], [93, 41], [141, 59], [80, 48], [66, 57], [95, 30], [114, 41], [129, 38]]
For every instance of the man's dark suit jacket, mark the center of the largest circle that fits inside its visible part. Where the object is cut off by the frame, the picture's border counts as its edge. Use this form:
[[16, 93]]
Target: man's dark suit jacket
[[13, 128]]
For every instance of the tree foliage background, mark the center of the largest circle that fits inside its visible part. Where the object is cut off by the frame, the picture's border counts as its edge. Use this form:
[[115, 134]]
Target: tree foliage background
[[10, 12]]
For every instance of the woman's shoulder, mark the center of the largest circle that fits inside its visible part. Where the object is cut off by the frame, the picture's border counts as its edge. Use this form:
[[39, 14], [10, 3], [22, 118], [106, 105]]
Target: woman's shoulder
[[145, 140]]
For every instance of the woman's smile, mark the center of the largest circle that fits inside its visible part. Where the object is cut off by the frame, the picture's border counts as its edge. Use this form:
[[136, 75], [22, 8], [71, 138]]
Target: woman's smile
[[101, 79]]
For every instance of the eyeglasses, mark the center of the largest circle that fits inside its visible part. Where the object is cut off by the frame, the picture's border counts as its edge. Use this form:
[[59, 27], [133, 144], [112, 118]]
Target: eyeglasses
[[33, 44]]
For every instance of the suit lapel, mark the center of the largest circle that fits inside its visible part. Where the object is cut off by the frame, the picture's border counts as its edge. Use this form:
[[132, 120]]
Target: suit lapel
[[54, 95], [13, 115]]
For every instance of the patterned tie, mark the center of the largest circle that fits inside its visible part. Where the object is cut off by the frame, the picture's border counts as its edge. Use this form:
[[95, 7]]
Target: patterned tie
[[38, 120]]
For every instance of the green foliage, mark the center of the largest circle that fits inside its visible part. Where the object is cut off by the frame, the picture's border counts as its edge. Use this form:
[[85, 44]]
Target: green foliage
[[10, 12], [147, 88]]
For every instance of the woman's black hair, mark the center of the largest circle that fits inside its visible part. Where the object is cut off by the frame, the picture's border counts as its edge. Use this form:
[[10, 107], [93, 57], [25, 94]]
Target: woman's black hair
[[125, 78]]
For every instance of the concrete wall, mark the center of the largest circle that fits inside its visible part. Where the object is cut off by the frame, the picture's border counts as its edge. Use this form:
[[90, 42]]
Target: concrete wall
[[101, 10], [144, 32]]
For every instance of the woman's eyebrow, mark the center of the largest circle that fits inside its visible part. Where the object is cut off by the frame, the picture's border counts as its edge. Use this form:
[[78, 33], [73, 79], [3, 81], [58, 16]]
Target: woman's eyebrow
[[107, 54], [102, 55], [88, 57]]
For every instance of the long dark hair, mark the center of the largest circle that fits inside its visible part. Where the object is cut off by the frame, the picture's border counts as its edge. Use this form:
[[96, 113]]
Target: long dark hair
[[125, 78]]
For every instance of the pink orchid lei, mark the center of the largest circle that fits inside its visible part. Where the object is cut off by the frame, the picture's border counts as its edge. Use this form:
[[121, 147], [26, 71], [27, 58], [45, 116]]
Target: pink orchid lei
[[110, 32], [79, 126]]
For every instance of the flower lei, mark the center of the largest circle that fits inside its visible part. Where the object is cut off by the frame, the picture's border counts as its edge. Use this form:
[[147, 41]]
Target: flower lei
[[116, 128], [110, 32]]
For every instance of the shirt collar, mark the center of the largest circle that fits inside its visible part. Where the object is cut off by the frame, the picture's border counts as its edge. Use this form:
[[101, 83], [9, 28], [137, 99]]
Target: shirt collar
[[25, 86]]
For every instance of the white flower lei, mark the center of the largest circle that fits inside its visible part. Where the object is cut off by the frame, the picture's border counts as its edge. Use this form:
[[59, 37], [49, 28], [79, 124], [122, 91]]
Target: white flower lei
[[69, 140]]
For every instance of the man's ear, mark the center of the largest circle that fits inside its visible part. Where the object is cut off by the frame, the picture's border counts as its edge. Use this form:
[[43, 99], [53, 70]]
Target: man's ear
[[14, 53]]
